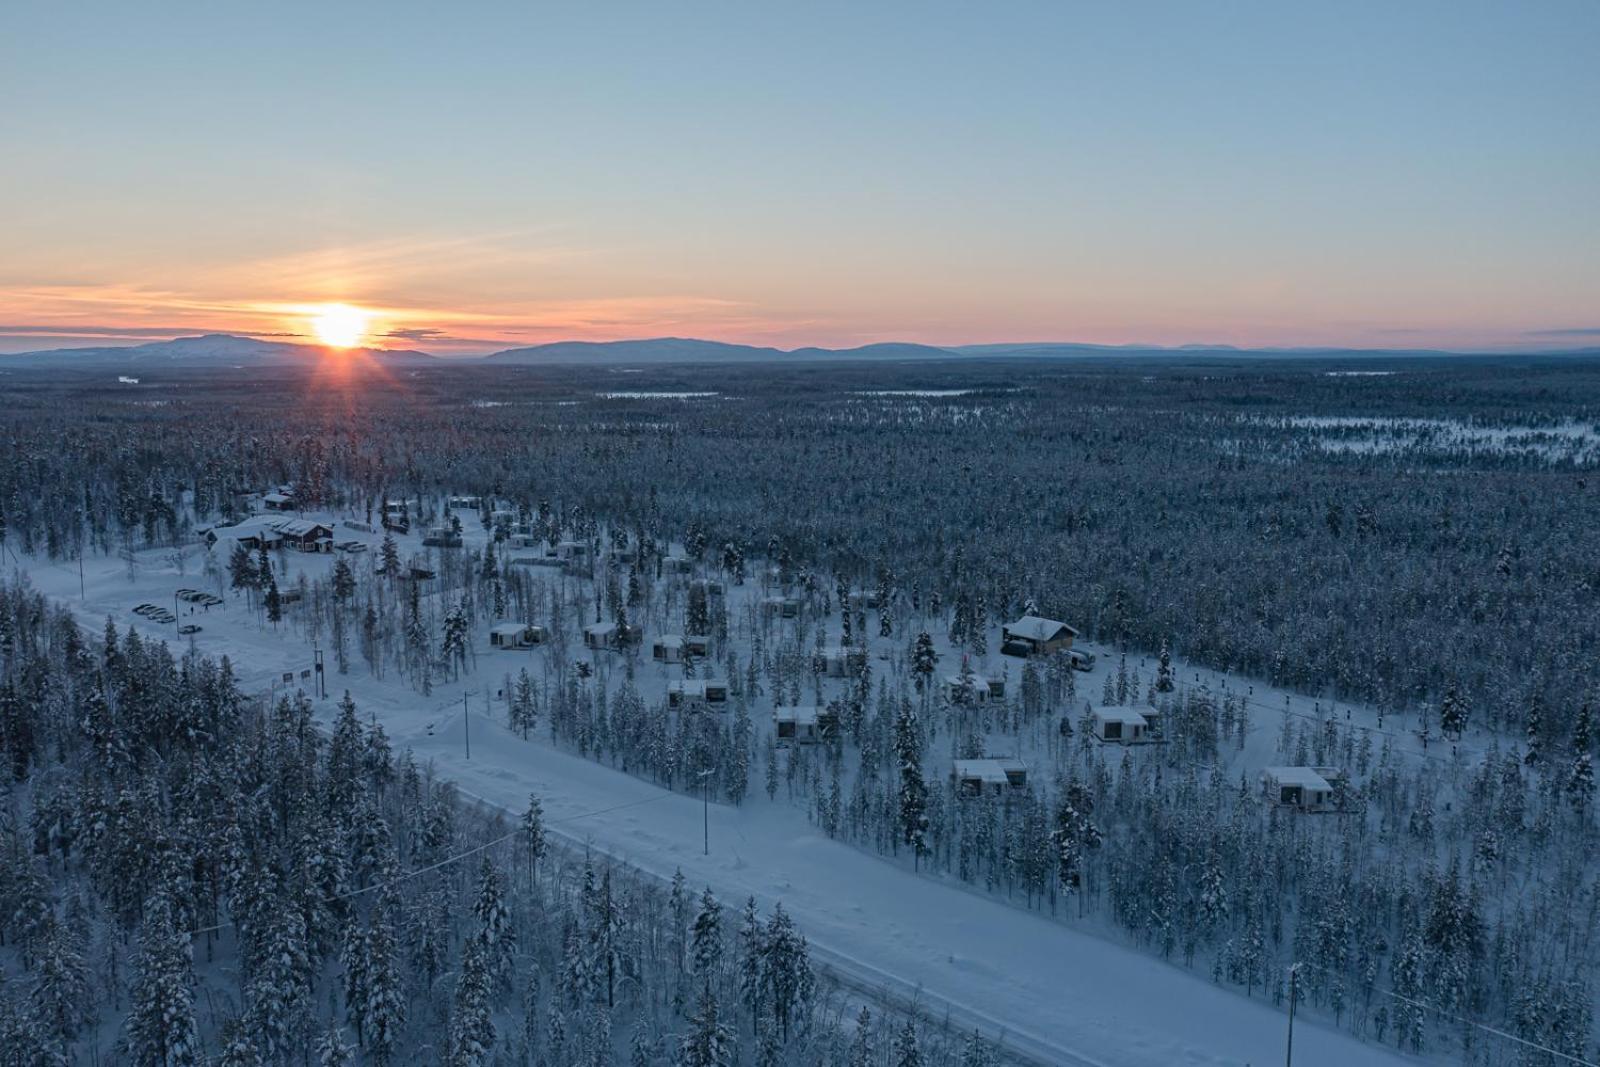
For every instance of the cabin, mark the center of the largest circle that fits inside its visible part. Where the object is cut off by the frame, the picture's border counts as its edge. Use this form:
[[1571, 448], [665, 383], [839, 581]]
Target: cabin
[[572, 551], [304, 535], [522, 540], [1308, 789], [696, 693], [515, 635], [782, 607], [839, 661], [712, 588], [396, 516], [861, 599], [252, 534], [260, 532], [472, 503], [1125, 725], [676, 564], [668, 648], [974, 689], [805, 725], [992, 776], [604, 635], [1032, 635], [278, 502], [441, 537]]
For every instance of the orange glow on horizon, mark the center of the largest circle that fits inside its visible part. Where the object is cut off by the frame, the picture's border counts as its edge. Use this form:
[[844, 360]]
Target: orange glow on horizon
[[341, 325]]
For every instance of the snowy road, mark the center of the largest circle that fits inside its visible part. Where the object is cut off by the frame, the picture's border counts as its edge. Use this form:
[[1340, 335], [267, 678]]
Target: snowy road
[[1058, 995]]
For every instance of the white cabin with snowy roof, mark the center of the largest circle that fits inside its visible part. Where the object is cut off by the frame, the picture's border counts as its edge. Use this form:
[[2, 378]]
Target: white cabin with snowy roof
[[692, 693], [515, 635], [804, 725], [1034, 635], [1121, 725], [1309, 789], [974, 689], [991, 775]]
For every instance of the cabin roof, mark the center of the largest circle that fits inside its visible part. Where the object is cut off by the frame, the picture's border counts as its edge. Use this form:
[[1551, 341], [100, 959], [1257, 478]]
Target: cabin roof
[[804, 715], [1117, 713], [1036, 628], [991, 770], [1305, 777]]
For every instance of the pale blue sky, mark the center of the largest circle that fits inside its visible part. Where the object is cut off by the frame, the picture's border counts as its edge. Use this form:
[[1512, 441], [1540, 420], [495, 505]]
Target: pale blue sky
[[1363, 174]]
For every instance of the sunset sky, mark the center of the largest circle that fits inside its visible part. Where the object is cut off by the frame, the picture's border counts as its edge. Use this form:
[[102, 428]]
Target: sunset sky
[[1399, 174]]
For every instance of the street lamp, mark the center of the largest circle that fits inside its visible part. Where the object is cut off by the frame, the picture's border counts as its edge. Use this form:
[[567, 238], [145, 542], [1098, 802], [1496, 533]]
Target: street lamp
[[705, 793]]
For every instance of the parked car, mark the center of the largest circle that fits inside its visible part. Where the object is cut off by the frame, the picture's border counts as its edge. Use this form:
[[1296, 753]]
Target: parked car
[[187, 629]]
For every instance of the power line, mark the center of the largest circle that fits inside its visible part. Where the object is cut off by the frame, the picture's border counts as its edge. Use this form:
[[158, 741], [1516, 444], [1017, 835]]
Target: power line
[[1485, 1027]]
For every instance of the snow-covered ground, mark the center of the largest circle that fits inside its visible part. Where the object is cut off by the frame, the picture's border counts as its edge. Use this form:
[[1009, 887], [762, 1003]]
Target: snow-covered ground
[[1059, 993]]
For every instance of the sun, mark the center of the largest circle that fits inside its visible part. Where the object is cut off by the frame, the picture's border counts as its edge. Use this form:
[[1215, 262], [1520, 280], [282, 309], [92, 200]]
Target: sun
[[340, 325]]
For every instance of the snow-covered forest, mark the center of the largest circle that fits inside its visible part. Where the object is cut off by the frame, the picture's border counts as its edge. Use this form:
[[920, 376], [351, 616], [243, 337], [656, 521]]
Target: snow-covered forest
[[1393, 575]]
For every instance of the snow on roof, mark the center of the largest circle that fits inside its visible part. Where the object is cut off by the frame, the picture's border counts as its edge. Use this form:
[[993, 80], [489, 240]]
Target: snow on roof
[[1035, 628], [279, 498], [670, 641], [803, 716], [298, 527], [988, 771], [509, 628], [1114, 713], [598, 628], [1305, 777]]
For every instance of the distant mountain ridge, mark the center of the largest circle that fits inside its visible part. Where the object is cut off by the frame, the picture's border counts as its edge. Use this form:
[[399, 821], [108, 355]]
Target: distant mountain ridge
[[211, 348], [229, 349]]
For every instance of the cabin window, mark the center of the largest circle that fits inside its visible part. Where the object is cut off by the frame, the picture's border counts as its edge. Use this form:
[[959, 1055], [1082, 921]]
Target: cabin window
[[1113, 731], [786, 729]]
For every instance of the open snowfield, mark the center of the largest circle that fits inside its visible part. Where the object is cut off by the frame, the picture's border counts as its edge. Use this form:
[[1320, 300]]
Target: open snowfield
[[1053, 992]]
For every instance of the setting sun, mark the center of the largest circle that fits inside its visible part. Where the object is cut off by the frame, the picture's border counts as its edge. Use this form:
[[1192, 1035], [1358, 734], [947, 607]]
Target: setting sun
[[340, 325]]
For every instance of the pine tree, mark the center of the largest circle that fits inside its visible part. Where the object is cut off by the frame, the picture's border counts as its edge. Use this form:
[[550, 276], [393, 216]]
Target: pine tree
[[752, 951], [785, 969], [389, 557], [913, 789], [533, 834], [1580, 779], [706, 955], [472, 1035], [385, 997], [1534, 730], [332, 1050], [709, 1043], [279, 991], [494, 926], [274, 601], [1164, 669], [344, 581], [161, 1022], [62, 998], [863, 1050], [1452, 712], [242, 569], [906, 1052], [1073, 835]]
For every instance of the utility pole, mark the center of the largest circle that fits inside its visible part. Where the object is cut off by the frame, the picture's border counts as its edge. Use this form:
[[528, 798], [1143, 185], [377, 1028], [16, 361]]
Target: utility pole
[[705, 795], [1294, 989], [466, 724]]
